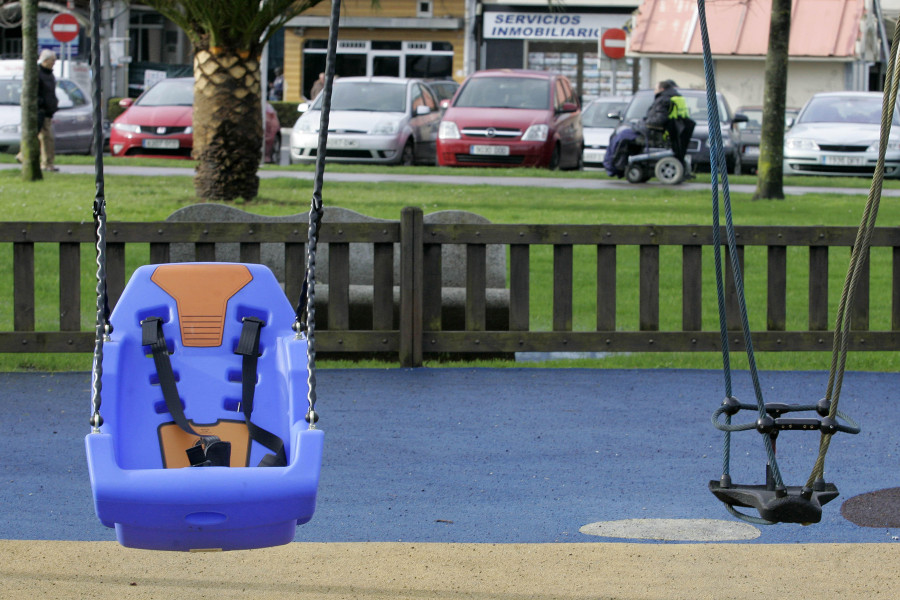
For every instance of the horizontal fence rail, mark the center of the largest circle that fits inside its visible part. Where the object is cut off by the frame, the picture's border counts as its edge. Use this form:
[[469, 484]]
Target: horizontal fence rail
[[406, 309]]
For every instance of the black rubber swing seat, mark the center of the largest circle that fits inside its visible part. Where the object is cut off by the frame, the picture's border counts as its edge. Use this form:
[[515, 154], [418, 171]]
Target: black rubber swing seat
[[793, 504]]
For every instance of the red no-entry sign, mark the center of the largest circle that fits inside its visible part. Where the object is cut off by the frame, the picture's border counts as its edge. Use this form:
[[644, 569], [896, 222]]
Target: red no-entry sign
[[612, 43], [64, 28]]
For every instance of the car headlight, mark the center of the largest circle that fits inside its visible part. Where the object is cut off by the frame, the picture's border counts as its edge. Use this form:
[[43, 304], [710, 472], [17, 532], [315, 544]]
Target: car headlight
[[536, 133], [11, 128], [305, 125], [386, 127], [126, 127], [448, 131], [892, 146], [189, 129], [800, 144]]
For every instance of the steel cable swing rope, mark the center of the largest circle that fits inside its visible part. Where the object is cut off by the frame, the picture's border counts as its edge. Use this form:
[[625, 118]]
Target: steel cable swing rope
[[102, 328], [717, 163], [857, 259], [306, 309]]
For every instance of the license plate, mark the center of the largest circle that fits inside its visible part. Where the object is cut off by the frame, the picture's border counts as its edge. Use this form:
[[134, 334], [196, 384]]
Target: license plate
[[342, 143], [594, 155], [490, 150], [751, 151], [162, 144], [845, 161]]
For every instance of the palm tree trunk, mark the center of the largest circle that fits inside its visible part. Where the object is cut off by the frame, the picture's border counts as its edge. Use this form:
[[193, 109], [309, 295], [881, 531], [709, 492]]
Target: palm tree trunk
[[770, 169], [227, 125]]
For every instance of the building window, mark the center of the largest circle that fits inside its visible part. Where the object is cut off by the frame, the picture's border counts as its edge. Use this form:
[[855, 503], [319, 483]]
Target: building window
[[424, 8]]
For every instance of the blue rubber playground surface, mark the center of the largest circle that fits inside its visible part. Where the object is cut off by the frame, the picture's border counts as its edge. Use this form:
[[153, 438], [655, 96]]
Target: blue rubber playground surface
[[494, 455]]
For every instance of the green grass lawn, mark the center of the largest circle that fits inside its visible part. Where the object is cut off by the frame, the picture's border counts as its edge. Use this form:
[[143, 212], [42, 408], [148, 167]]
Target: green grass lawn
[[62, 197]]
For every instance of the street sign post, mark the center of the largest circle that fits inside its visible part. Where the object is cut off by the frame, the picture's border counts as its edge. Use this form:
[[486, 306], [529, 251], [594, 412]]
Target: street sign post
[[612, 45]]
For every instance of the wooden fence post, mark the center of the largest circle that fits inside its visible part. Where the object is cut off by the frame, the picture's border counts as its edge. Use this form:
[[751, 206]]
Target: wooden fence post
[[411, 277]]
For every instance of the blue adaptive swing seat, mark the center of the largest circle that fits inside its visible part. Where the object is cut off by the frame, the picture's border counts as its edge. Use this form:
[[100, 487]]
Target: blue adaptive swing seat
[[143, 482]]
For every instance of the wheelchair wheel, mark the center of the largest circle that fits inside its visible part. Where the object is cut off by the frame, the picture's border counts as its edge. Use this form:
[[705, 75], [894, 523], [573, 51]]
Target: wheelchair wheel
[[669, 170], [635, 174]]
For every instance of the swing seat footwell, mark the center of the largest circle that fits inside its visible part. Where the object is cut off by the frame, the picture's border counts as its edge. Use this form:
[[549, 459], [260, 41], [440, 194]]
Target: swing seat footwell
[[790, 508], [213, 508]]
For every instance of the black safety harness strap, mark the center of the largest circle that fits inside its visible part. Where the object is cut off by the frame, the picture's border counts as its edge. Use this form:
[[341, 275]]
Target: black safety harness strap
[[248, 348], [210, 450]]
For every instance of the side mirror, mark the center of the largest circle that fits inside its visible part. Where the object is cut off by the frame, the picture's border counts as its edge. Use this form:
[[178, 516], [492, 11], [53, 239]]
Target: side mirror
[[445, 104], [422, 110], [614, 115], [568, 107], [126, 102], [740, 118], [302, 107], [789, 122]]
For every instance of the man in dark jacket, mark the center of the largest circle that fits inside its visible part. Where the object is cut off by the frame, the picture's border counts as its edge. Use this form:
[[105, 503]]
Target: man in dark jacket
[[47, 105], [670, 113]]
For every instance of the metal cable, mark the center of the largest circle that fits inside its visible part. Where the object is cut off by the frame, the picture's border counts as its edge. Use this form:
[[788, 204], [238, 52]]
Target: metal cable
[[717, 162], [102, 328], [858, 257], [315, 214]]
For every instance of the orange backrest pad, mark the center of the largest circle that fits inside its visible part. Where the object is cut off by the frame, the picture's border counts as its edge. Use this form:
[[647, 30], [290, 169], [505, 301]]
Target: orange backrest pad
[[201, 292]]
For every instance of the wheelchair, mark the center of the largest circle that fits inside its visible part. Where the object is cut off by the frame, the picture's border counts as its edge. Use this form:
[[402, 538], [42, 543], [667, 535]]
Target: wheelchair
[[651, 153]]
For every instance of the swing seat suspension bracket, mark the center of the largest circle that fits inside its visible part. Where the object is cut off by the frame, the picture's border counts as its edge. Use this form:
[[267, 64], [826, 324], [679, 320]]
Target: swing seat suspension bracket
[[793, 504]]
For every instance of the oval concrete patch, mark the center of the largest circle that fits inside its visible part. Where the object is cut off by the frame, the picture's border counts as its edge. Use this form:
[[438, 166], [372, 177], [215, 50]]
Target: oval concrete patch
[[673, 530]]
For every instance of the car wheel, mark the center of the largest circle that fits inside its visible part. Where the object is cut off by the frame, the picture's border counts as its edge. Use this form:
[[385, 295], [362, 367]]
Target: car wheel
[[408, 156], [669, 170], [275, 155], [554, 158]]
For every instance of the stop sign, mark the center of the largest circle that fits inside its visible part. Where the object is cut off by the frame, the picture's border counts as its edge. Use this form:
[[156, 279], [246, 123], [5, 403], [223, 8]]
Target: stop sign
[[612, 43], [64, 28]]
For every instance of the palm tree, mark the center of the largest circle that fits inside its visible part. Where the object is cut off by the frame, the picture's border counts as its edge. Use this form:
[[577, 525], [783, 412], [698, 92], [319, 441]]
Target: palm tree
[[228, 37]]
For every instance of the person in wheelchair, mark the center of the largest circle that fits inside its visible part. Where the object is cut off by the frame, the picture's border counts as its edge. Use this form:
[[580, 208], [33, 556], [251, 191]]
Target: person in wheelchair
[[666, 125]]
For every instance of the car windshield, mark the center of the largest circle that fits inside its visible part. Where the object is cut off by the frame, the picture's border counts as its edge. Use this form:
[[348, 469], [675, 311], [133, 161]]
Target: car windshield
[[694, 99], [505, 92], [168, 93], [10, 92], [597, 113], [844, 109], [368, 96]]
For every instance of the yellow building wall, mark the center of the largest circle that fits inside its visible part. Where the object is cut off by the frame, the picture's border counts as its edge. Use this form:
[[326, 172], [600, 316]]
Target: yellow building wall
[[295, 38]]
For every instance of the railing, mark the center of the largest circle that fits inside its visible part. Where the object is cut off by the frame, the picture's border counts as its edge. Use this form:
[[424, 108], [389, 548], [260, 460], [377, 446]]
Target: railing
[[417, 332]]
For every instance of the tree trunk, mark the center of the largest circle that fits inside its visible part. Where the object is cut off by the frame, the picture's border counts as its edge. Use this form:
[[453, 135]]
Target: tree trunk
[[770, 170], [31, 152], [227, 125]]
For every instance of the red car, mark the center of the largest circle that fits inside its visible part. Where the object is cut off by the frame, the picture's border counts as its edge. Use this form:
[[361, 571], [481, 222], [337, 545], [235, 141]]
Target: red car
[[159, 123], [509, 117]]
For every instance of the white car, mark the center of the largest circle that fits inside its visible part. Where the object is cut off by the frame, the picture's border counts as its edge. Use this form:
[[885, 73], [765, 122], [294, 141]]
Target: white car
[[387, 120], [599, 126], [837, 133]]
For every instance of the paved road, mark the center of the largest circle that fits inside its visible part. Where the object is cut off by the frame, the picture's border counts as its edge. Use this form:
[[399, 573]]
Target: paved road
[[601, 182]]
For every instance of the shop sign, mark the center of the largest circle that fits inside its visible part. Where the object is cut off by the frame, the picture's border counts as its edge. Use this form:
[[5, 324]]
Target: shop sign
[[544, 26]]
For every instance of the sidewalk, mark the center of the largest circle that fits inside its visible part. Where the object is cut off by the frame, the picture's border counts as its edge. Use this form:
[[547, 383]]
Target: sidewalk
[[602, 182]]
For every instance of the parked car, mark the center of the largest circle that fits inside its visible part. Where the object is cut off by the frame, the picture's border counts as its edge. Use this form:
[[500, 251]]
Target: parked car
[[443, 89], [159, 123], [698, 149], [837, 133], [508, 117], [599, 125], [73, 123], [751, 131], [387, 120]]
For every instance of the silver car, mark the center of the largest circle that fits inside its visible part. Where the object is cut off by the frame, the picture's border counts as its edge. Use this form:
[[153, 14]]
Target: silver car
[[598, 126], [385, 120], [837, 133], [72, 123]]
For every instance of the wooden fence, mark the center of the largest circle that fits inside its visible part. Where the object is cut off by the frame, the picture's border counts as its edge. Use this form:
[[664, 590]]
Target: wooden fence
[[417, 331]]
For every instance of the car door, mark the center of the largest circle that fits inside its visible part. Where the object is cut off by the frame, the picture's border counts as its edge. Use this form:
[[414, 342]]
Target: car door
[[425, 124], [567, 123], [72, 122]]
